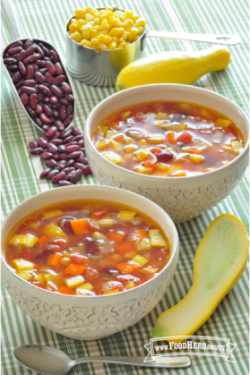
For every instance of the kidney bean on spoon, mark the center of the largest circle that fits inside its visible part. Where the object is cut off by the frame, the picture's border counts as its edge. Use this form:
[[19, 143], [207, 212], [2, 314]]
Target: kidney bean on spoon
[[37, 72], [67, 162]]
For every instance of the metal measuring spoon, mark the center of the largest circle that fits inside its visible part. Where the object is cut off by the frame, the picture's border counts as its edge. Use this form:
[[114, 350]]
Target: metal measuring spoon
[[52, 361], [10, 19]]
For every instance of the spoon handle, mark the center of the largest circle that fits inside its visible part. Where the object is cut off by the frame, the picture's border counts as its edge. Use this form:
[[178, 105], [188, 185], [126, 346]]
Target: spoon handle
[[159, 362], [228, 39], [10, 18]]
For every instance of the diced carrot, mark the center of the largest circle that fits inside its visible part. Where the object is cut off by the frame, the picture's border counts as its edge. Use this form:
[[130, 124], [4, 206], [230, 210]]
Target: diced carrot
[[194, 150], [54, 260], [99, 215], [140, 234], [156, 150], [74, 269], [178, 174], [79, 226], [171, 137], [114, 124], [127, 267], [118, 137], [78, 259], [125, 248], [117, 237], [185, 137], [64, 290], [149, 164], [42, 240], [92, 226], [27, 254]]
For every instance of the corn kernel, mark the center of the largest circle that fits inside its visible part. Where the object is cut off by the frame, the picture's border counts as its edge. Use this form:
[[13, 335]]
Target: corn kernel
[[128, 24], [111, 292], [124, 44], [140, 22], [133, 31], [65, 261], [66, 254], [115, 145], [130, 148], [110, 133], [126, 215], [101, 144], [73, 27], [149, 270], [80, 13], [115, 32], [142, 142], [128, 140], [142, 155], [196, 158], [143, 170], [162, 166], [130, 285], [85, 43], [102, 46], [112, 45], [106, 223], [76, 36], [117, 257], [113, 157], [94, 41], [86, 34], [155, 139], [128, 14], [99, 236], [102, 38]]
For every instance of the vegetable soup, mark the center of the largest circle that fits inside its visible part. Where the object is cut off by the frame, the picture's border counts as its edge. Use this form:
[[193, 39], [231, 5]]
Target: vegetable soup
[[87, 247], [168, 138]]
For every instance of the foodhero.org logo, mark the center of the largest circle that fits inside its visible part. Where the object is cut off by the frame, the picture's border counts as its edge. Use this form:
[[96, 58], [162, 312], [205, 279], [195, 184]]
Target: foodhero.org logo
[[190, 345]]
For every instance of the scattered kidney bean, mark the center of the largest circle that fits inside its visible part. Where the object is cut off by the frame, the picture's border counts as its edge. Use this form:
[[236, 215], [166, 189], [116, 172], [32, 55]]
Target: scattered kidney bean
[[52, 173], [44, 172], [46, 155], [51, 163], [36, 151], [52, 148], [58, 177], [42, 142], [61, 164], [33, 144], [65, 183], [70, 162]]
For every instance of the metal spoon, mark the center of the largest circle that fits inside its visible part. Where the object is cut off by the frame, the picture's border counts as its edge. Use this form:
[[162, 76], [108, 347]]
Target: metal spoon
[[52, 361], [9, 16]]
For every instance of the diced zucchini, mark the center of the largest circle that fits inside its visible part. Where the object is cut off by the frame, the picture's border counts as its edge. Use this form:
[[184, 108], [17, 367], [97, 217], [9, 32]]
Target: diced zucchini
[[149, 270], [104, 129], [112, 156], [237, 146], [143, 170], [130, 255], [27, 240], [25, 275], [158, 241], [74, 282], [128, 140], [137, 220], [40, 277], [110, 133], [126, 215], [174, 127], [143, 245], [223, 122], [200, 144], [153, 233], [52, 230], [115, 145], [142, 155], [130, 285], [162, 116], [99, 236], [141, 261], [86, 286], [101, 144], [105, 222], [130, 148], [57, 279], [21, 265], [49, 214]]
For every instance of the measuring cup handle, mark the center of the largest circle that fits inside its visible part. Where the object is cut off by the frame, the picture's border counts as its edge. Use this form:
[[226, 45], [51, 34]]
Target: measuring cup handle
[[210, 38], [10, 18]]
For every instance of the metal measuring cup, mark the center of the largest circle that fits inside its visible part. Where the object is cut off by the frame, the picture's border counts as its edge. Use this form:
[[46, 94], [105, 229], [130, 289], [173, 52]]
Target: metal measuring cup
[[101, 68], [12, 24]]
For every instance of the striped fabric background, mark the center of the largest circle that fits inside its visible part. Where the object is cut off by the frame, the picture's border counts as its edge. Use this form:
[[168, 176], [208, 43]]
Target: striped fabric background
[[19, 175]]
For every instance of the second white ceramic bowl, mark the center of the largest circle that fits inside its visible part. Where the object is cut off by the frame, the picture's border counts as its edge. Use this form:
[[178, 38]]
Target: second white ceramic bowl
[[89, 317], [183, 198]]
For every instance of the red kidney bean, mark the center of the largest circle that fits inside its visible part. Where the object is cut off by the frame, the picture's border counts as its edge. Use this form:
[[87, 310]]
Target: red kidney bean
[[58, 68], [14, 50], [56, 142], [33, 144], [64, 101], [45, 127], [62, 112], [52, 173], [59, 125], [19, 43], [65, 183], [76, 176], [44, 48], [69, 109], [59, 79], [68, 175], [69, 97], [41, 63], [73, 155], [21, 55], [42, 71], [30, 72], [164, 157], [61, 165], [28, 90], [45, 90], [51, 132], [11, 73], [49, 78], [12, 67], [19, 91], [68, 169], [31, 49], [35, 67], [29, 82], [22, 68], [45, 118], [86, 170], [39, 108], [44, 173], [70, 143], [28, 43], [61, 149], [39, 122], [57, 135], [33, 101], [52, 148], [80, 142], [66, 87], [46, 155], [72, 148], [82, 159], [56, 157], [67, 121], [47, 110], [46, 99], [54, 99], [24, 99], [56, 114], [70, 163], [31, 112], [34, 57], [16, 77], [9, 60], [40, 50], [36, 151], [66, 133], [42, 142], [54, 56], [51, 67], [76, 131], [56, 90], [47, 58], [6, 55], [68, 139], [58, 177], [43, 136], [40, 77], [51, 163], [63, 156]]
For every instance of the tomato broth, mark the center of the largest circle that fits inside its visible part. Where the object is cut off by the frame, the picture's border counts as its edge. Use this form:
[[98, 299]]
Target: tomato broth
[[168, 138], [87, 247]]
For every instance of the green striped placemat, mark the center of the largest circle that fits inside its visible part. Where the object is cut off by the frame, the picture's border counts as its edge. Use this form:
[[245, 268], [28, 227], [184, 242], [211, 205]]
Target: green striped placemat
[[46, 19]]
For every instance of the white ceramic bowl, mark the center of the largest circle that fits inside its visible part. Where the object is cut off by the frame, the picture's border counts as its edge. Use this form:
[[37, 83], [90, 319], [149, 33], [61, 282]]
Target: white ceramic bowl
[[90, 317], [183, 198]]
